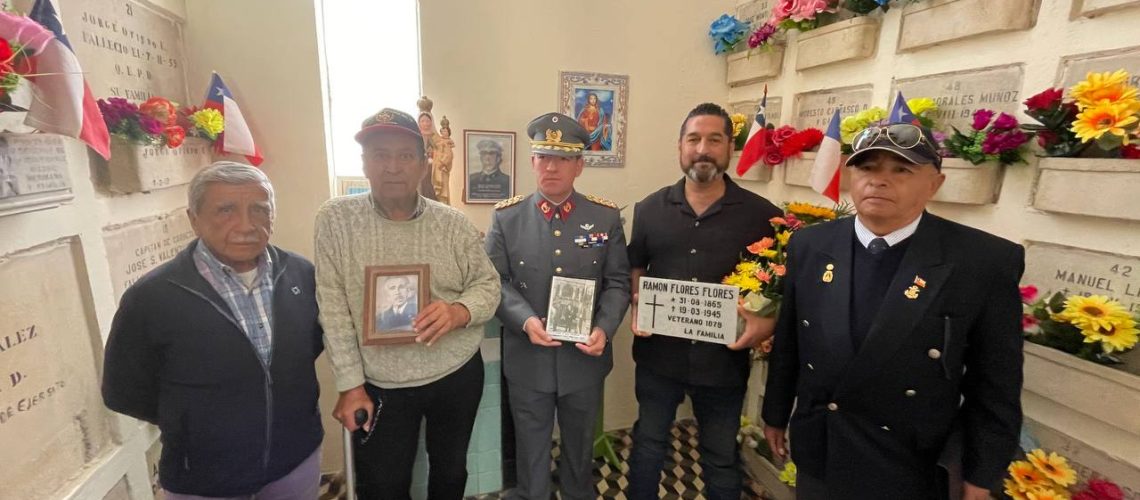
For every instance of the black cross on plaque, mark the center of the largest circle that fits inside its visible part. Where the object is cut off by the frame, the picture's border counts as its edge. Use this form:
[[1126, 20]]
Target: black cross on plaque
[[654, 305]]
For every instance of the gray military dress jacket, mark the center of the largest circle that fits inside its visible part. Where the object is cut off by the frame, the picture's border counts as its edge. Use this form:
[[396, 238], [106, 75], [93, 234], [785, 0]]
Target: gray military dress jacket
[[530, 241]]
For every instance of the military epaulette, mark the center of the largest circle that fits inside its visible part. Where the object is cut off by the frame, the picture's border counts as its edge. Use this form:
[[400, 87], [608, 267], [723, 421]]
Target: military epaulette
[[510, 201], [602, 201]]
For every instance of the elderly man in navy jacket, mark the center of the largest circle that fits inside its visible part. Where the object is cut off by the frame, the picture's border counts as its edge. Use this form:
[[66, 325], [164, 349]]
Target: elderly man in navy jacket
[[217, 347]]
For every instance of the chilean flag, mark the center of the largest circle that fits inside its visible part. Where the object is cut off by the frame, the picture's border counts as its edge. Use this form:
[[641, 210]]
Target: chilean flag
[[62, 102], [236, 137], [826, 169], [901, 112], [757, 144]]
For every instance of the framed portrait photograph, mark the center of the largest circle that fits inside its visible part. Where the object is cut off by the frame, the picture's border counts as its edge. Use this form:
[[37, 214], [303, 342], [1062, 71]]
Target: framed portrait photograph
[[393, 296], [599, 102], [489, 166], [571, 309]]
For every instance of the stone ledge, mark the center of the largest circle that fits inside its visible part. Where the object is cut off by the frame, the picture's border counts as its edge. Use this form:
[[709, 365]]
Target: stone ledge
[[134, 167], [1088, 186], [797, 172], [1094, 8], [855, 38], [1106, 394], [924, 24], [759, 172]]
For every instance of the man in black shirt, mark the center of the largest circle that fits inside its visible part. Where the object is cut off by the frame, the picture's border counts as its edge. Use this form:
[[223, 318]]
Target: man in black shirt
[[694, 230]]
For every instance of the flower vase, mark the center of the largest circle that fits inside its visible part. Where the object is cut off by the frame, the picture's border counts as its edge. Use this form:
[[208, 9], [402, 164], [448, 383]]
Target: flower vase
[[141, 168], [925, 23], [848, 40], [970, 184], [753, 65], [1088, 186]]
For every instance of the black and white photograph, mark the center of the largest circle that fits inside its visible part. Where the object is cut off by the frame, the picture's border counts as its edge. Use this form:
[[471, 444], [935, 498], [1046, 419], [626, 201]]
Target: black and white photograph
[[571, 309], [490, 166], [393, 298]]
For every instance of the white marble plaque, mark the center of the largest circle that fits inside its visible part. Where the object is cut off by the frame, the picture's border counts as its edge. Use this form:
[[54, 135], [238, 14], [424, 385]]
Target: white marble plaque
[[814, 109], [773, 112], [1076, 68], [688, 309], [33, 172], [52, 420], [755, 12], [126, 49], [135, 168], [1057, 268], [153, 455], [136, 247], [961, 93]]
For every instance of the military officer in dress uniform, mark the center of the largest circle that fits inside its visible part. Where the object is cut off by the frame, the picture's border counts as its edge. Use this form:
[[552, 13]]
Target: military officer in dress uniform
[[556, 231], [491, 183]]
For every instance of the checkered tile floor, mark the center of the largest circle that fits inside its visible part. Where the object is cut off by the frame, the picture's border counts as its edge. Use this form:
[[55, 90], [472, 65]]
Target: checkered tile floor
[[682, 472]]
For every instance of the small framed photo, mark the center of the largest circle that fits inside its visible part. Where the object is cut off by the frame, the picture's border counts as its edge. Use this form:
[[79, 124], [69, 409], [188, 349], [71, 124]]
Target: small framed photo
[[393, 296], [489, 166], [571, 310], [347, 185], [598, 102]]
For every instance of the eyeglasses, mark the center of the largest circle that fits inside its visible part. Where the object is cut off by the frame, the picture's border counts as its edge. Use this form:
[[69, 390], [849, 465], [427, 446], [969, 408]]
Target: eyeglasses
[[903, 135]]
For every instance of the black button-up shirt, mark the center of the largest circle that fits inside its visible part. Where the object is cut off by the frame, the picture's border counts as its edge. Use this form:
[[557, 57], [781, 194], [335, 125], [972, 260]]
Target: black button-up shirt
[[670, 241]]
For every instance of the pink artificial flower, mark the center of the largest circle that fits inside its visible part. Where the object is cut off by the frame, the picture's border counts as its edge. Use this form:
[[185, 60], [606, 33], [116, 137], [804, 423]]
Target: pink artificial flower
[[1005, 122], [784, 9], [763, 276], [779, 270], [982, 118], [782, 134], [809, 9], [1028, 293], [778, 220], [1028, 322]]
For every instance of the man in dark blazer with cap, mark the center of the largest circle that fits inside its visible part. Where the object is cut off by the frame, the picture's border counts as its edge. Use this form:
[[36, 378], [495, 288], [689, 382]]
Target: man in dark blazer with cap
[[898, 345], [557, 231]]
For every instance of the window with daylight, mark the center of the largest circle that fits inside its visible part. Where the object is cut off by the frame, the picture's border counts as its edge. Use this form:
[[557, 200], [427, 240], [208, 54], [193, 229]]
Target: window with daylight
[[372, 52]]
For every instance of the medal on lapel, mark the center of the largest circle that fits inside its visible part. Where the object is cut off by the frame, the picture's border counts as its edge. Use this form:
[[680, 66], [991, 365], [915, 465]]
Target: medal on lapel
[[592, 240], [912, 292], [828, 275]]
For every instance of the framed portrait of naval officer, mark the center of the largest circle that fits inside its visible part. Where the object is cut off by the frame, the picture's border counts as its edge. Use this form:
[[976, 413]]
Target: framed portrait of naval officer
[[489, 166]]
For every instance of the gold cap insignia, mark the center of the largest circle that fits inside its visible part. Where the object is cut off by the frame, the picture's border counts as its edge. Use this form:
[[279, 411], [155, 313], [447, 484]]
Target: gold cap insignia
[[553, 135], [384, 116]]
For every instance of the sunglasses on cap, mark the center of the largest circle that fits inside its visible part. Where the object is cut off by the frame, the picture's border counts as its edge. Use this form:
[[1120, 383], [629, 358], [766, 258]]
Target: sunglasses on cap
[[902, 135]]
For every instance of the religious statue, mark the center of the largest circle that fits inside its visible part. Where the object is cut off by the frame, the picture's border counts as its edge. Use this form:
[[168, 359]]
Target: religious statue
[[427, 129], [441, 163]]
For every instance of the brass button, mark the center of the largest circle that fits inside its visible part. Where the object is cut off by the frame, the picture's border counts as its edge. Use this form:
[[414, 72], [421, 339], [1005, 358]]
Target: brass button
[[934, 353], [557, 232], [910, 393], [810, 367], [693, 250], [697, 224], [558, 252], [805, 323], [885, 428], [556, 216], [832, 406], [521, 263], [558, 270]]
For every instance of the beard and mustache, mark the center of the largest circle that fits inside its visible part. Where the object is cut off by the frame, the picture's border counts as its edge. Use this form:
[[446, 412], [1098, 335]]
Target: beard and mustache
[[699, 168]]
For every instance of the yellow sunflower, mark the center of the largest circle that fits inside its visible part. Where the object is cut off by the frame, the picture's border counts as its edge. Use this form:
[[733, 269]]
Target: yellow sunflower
[[920, 105], [808, 209], [1046, 494], [1120, 335], [1054, 466], [1015, 491], [1026, 475], [1101, 88], [1092, 312], [1106, 118]]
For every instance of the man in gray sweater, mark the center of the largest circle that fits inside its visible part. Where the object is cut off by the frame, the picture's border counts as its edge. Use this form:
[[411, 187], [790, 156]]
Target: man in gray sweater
[[439, 377]]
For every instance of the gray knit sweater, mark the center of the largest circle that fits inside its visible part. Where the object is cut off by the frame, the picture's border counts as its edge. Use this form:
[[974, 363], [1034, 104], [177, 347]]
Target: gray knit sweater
[[351, 234]]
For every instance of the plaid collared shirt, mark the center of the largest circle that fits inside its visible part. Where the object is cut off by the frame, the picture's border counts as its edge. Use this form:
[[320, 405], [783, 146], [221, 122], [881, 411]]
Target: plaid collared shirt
[[252, 307]]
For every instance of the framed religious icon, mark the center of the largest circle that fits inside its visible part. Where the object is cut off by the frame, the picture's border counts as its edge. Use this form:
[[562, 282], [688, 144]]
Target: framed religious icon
[[571, 309], [599, 102], [393, 296], [347, 185], [489, 166]]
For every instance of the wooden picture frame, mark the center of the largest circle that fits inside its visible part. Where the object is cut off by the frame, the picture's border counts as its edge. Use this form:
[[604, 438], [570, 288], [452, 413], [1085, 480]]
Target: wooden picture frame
[[388, 307], [478, 186], [599, 102]]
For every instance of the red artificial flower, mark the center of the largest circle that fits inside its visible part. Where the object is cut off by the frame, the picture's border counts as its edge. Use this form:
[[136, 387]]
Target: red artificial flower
[[6, 57], [1045, 100], [1046, 138], [1101, 489], [803, 140], [175, 135], [1131, 152], [1027, 322], [1028, 293], [773, 157], [782, 134], [160, 109]]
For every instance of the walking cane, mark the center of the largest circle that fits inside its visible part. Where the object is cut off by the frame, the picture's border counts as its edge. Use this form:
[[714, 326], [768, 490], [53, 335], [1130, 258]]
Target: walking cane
[[360, 416]]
